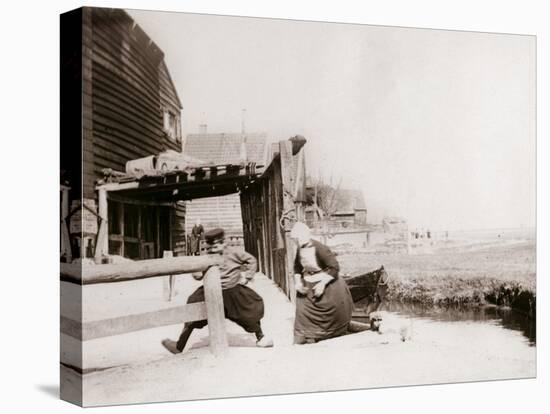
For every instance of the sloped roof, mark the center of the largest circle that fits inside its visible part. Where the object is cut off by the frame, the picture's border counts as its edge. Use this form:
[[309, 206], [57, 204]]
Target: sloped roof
[[350, 201], [172, 87], [192, 182], [226, 148]]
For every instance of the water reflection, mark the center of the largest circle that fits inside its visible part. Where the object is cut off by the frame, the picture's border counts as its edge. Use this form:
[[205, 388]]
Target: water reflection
[[507, 318]]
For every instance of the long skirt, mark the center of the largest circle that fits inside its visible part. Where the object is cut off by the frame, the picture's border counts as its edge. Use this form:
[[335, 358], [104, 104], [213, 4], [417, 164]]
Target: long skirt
[[241, 305], [324, 317], [195, 243]]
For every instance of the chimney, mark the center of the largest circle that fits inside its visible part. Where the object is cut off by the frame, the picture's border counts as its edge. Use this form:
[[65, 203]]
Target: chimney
[[203, 128], [243, 116]]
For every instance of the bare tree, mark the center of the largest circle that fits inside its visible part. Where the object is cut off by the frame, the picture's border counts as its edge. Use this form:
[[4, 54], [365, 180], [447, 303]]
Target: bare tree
[[327, 196]]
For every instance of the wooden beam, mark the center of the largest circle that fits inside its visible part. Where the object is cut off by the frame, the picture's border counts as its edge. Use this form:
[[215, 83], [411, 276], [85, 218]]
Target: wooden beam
[[112, 196], [121, 221], [289, 209], [215, 311], [168, 285], [153, 184], [118, 186], [65, 238], [157, 233], [131, 323], [142, 269], [211, 309], [300, 186], [102, 247]]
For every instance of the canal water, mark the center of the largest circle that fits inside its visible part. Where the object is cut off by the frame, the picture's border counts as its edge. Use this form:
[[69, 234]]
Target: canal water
[[507, 319]]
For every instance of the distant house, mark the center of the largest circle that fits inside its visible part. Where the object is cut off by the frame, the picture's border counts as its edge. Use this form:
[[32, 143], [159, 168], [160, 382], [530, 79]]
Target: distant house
[[223, 148], [395, 225], [118, 104], [350, 210]]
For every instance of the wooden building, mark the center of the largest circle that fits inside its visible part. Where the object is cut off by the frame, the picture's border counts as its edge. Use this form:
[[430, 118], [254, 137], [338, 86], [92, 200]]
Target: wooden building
[[350, 213], [223, 148], [118, 103], [272, 199]]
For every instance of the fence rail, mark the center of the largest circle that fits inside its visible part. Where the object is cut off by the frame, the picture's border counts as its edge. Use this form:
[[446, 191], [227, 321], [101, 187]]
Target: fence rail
[[212, 308], [120, 272]]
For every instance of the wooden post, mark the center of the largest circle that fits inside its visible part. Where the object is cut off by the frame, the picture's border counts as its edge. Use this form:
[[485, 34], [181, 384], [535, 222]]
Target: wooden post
[[83, 241], [65, 239], [300, 186], [102, 247], [121, 221], [157, 232], [168, 284], [289, 207], [215, 310]]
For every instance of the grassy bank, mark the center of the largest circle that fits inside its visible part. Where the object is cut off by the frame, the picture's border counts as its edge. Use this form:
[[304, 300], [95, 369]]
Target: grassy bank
[[494, 273]]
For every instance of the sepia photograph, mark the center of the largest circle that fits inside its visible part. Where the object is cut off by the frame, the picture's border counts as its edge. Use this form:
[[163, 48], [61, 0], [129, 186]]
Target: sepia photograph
[[259, 206]]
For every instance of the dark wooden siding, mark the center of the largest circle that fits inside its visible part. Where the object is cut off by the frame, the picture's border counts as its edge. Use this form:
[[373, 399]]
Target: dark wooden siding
[[71, 101], [178, 229], [270, 208], [262, 205], [126, 107]]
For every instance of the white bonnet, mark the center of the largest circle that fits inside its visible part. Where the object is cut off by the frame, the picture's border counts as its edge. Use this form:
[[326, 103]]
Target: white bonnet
[[300, 231]]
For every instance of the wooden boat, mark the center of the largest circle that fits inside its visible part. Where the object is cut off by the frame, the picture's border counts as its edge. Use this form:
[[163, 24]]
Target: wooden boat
[[369, 288]]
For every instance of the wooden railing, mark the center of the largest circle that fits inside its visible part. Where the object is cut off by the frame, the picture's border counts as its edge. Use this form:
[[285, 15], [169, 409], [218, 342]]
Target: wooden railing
[[211, 309]]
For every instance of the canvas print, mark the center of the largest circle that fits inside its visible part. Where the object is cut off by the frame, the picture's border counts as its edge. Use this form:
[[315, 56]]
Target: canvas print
[[256, 206]]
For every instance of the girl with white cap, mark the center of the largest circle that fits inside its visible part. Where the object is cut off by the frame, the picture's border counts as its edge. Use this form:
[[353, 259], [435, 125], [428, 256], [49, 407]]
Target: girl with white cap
[[323, 301]]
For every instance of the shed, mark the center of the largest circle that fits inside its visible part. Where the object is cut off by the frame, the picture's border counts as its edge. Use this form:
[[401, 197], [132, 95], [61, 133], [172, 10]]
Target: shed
[[118, 103], [221, 148], [268, 196], [352, 210]]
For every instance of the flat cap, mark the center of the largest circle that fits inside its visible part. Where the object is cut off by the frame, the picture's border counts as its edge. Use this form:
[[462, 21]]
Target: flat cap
[[214, 234]]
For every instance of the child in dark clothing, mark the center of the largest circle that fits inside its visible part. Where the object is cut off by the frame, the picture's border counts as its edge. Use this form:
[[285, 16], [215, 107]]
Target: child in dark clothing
[[242, 305]]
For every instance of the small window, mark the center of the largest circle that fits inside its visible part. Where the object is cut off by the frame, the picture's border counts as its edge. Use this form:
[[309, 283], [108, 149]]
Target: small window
[[171, 125]]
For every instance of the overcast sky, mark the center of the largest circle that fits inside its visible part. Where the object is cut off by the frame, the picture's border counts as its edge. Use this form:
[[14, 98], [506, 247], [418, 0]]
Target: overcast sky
[[434, 126]]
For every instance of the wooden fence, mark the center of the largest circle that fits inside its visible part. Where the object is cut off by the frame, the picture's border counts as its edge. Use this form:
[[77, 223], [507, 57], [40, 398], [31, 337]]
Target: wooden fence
[[211, 309], [270, 207]]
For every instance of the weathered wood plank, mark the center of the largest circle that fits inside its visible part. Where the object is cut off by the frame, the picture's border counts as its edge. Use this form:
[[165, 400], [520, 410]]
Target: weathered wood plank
[[120, 24], [113, 196], [130, 132], [124, 148], [114, 132], [103, 58], [65, 239], [121, 111], [108, 91], [132, 323], [215, 311], [138, 68], [106, 77], [108, 273], [289, 209], [102, 246]]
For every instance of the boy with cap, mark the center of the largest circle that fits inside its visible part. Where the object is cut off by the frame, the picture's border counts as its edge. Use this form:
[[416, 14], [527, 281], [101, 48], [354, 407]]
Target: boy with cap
[[242, 305]]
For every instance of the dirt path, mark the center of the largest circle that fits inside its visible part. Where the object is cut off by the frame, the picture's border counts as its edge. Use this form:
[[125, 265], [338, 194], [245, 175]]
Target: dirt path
[[433, 352]]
